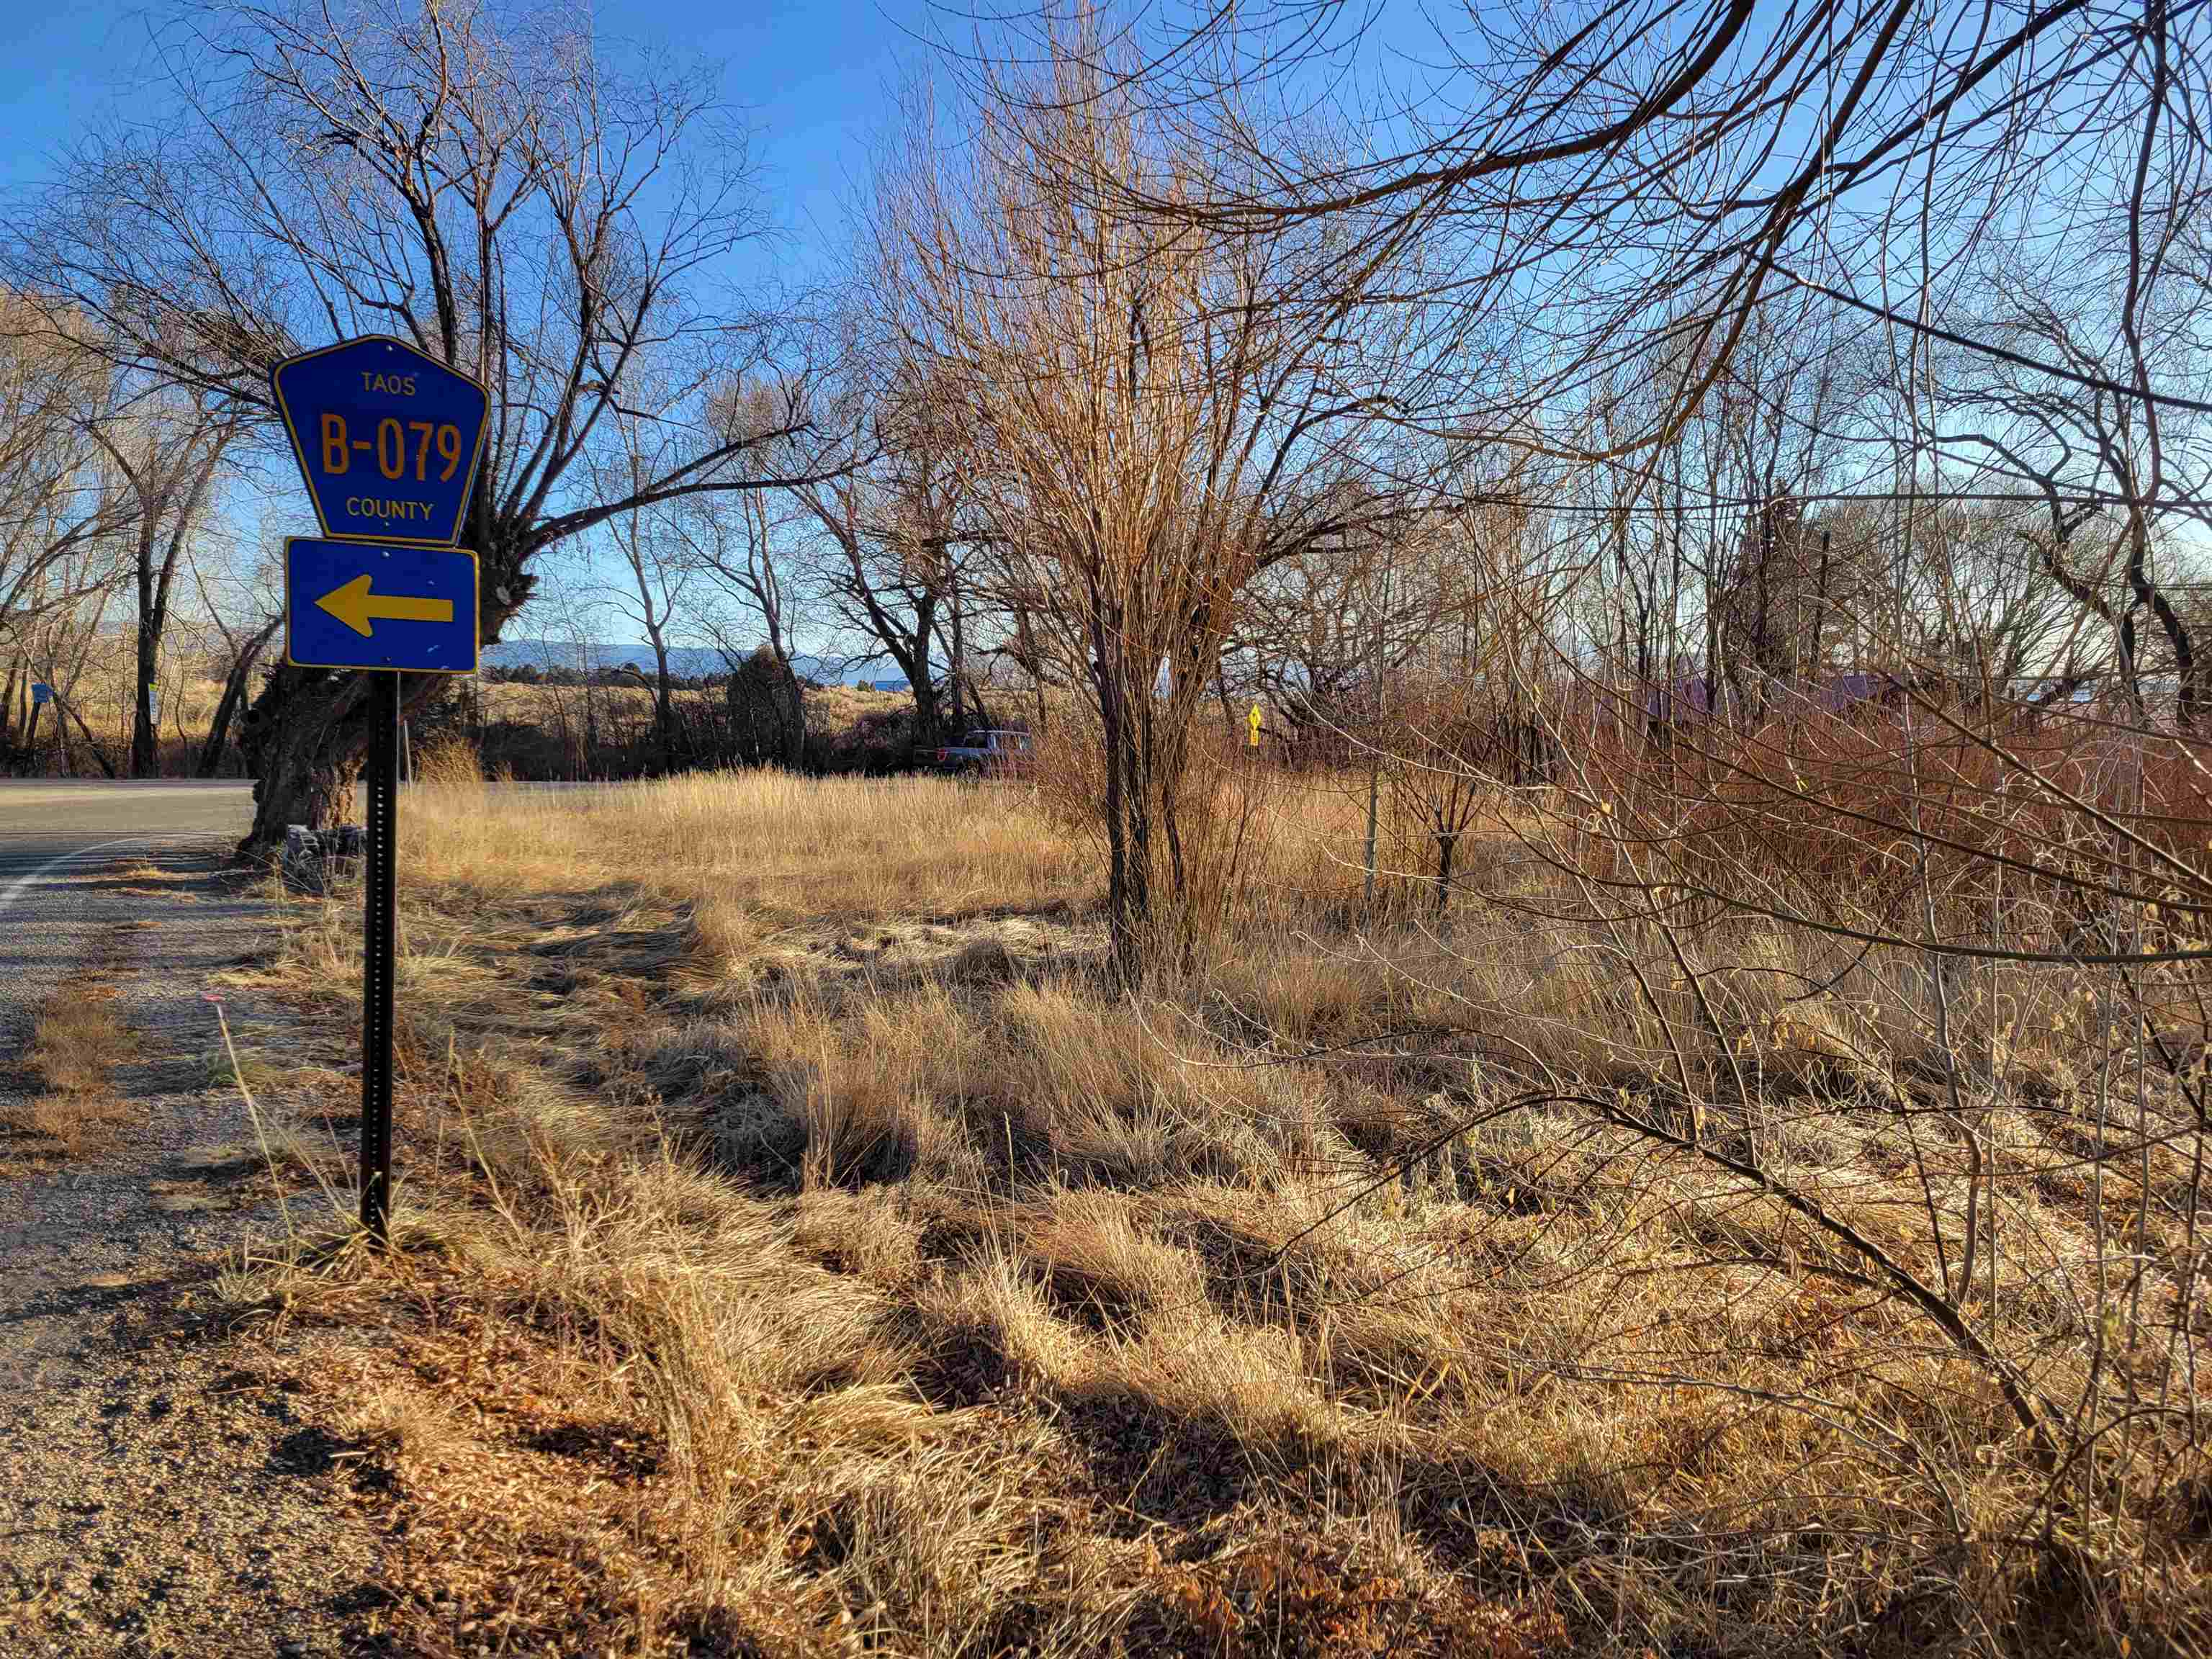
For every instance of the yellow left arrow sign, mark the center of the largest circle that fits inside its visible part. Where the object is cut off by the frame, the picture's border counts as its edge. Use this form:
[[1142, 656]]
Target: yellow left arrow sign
[[356, 607]]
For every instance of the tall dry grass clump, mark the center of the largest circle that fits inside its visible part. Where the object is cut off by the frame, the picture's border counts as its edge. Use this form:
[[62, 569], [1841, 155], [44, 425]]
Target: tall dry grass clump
[[447, 759]]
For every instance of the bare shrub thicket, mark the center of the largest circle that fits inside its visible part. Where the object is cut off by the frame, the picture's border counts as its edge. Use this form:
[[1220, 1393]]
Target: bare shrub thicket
[[1593, 1277], [60, 513], [1154, 418]]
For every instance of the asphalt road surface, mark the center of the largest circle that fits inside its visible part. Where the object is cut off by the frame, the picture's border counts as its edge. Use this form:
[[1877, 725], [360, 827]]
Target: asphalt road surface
[[57, 839], [73, 895], [47, 827], [57, 836]]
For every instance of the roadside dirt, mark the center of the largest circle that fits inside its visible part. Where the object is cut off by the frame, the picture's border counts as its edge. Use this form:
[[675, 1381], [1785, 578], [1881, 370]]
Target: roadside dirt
[[161, 1495]]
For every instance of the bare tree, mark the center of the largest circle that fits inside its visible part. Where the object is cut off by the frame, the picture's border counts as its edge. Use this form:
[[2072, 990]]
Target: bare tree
[[1832, 912], [1318, 633], [61, 648], [733, 541], [60, 504], [892, 520], [1156, 417], [243, 643], [654, 556], [497, 190], [168, 451], [2120, 479]]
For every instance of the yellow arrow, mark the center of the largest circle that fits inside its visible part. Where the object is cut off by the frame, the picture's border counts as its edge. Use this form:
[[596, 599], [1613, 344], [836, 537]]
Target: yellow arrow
[[356, 607]]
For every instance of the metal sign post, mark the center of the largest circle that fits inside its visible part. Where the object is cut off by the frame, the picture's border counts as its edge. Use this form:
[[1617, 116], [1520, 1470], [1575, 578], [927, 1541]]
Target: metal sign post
[[379, 959], [388, 441]]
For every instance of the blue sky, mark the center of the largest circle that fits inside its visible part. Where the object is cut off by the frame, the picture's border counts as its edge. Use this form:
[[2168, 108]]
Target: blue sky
[[812, 77]]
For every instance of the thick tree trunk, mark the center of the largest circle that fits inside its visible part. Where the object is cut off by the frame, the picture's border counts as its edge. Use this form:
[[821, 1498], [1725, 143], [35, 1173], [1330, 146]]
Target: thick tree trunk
[[320, 793], [210, 761], [926, 715], [304, 740], [924, 719], [663, 706], [913, 662], [2177, 632], [1126, 740], [664, 720], [794, 695], [1129, 959], [958, 665]]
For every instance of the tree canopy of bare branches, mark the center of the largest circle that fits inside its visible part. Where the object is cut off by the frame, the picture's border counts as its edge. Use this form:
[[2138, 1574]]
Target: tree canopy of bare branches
[[497, 188], [1154, 416]]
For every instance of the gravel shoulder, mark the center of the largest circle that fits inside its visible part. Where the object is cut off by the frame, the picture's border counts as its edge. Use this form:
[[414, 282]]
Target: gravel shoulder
[[163, 1496]]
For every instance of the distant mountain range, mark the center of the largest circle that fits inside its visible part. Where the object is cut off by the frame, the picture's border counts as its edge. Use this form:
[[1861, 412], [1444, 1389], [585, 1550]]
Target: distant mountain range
[[689, 662]]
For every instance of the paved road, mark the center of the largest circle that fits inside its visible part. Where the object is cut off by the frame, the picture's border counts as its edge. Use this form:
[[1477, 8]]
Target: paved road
[[57, 839], [46, 826]]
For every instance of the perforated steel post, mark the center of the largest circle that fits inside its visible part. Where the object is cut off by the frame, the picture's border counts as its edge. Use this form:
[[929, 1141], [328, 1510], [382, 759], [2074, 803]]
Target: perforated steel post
[[378, 931]]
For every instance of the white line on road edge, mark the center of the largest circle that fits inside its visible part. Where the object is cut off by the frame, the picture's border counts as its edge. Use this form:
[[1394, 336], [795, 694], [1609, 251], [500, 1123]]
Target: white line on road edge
[[15, 889]]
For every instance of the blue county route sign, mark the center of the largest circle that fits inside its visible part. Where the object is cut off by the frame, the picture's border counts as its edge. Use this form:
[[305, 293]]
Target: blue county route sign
[[360, 604], [387, 437]]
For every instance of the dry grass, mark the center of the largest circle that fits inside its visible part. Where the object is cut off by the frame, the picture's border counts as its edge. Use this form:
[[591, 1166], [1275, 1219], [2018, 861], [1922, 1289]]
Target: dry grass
[[806, 1254], [748, 856], [189, 687], [75, 1041]]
